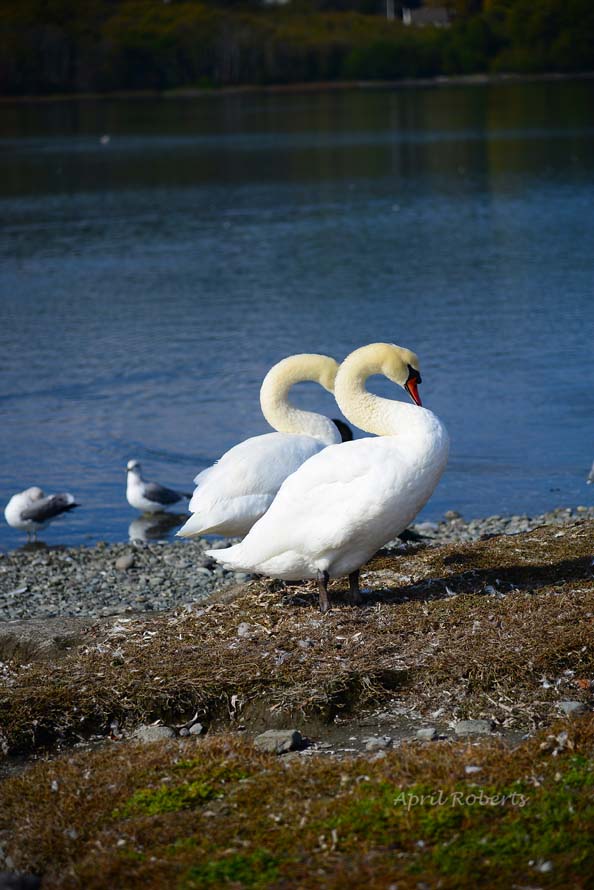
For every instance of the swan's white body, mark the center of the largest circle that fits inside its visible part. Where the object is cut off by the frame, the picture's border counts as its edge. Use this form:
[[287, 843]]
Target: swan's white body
[[345, 503], [236, 491]]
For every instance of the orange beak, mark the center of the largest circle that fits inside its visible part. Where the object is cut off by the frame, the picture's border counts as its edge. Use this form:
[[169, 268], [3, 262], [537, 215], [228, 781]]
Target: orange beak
[[411, 387]]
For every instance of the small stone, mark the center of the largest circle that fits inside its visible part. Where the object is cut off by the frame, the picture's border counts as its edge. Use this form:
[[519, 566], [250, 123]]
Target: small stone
[[452, 514], [244, 629], [470, 770], [581, 509], [153, 733], [427, 732], [378, 743], [125, 562], [473, 727], [184, 731], [278, 741], [196, 729], [426, 528], [572, 708]]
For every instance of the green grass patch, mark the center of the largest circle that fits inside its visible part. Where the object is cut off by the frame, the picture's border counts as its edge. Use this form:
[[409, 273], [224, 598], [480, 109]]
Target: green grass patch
[[190, 794], [257, 869]]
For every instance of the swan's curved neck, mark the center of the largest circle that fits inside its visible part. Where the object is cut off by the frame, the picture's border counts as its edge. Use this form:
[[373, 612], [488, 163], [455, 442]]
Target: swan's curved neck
[[274, 396], [383, 417]]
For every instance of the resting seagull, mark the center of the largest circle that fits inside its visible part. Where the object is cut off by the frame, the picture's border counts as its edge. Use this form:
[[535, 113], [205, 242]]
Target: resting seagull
[[31, 510], [149, 497]]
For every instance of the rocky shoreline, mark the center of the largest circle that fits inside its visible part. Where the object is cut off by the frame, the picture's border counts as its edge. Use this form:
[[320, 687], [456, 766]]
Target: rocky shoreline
[[112, 579]]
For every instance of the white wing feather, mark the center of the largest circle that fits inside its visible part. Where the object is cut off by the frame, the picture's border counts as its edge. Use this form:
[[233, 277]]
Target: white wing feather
[[236, 491]]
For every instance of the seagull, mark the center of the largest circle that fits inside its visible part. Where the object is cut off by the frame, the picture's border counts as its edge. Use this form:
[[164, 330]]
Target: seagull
[[149, 497], [590, 479], [31, 510]]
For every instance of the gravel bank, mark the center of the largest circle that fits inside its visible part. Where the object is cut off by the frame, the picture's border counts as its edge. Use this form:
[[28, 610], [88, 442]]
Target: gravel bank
[[454, 529], [122, 578], [107, 579]]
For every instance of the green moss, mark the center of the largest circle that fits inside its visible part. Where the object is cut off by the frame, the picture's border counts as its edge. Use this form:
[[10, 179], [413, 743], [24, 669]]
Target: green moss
[[257, 869], [552, 822], [153, 801], [131, 856], [465, 830]]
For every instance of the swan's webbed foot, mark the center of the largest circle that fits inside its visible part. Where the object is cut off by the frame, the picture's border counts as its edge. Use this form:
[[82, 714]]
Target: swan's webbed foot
[[354, 595], [323, 578]]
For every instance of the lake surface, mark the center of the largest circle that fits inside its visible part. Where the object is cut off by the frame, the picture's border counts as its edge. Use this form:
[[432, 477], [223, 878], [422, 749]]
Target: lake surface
[[150, 278]]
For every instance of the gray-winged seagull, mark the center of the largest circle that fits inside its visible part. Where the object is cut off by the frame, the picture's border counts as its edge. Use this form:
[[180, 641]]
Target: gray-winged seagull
[[31, 510], [149, 497]]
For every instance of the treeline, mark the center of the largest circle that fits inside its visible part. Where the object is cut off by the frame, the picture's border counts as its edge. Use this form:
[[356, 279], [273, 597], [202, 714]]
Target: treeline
[[49, 46]]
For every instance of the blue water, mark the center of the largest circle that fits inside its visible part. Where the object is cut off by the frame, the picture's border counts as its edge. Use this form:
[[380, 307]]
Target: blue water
[[150, 280]]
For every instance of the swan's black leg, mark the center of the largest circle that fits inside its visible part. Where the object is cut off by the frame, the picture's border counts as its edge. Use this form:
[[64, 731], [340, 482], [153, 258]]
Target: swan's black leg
[[354, 593], [323, 578]]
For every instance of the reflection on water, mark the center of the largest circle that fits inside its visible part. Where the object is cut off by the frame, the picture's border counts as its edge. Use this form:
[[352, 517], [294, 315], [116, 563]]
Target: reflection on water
[[155, 526], [149, 282]]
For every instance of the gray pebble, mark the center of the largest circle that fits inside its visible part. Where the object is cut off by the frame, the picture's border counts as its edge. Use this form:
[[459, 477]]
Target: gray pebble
[[426, 528], [153, 733], [473, 727], [123, 563], [378, 743], [278, 741], [573, 708], [196, 729], [427, 732]]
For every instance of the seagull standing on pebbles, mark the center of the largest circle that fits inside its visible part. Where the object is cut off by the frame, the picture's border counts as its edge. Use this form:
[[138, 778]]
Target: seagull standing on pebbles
[[149, 497], [31, 510]]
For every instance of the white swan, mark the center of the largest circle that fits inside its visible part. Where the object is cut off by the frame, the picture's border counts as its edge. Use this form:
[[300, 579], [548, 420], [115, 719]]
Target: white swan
[[238, 489], [343, 504]]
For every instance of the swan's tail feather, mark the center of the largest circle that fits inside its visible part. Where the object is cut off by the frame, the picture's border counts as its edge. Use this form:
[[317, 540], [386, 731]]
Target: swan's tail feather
[[229, 557], [194, 526]]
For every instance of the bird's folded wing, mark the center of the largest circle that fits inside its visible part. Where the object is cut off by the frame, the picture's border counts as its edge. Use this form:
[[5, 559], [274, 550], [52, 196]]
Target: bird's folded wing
[[160, 495], [257, 466], [47, 508], [330, 495]]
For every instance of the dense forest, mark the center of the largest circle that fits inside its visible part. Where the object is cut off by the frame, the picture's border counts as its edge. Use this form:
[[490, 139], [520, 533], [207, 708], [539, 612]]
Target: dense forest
[[49, 46]]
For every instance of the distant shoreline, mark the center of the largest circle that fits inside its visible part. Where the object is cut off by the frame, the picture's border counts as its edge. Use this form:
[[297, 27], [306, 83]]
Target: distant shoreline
[[306, 87]]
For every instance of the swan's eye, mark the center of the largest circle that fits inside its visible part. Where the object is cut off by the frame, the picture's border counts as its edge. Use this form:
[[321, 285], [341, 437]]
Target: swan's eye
[[413, 374]]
